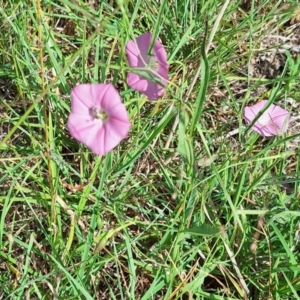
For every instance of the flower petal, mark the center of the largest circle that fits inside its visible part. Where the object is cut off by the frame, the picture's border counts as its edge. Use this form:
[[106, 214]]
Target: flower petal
[[110, 99], [250, 112], [279, 112], [265, 131], [137, 82], [143, 42], [160, 53], [163, 72], [133, 55], [82, 99], [82, 131], [154, 90]]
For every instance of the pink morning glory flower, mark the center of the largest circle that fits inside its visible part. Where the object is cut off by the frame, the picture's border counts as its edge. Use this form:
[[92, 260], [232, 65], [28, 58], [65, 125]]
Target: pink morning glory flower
[[155, 64], [274, 121], [98, 117]]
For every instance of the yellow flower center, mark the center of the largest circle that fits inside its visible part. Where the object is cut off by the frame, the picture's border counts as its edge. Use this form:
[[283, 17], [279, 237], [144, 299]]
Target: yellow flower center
[[99, 114]]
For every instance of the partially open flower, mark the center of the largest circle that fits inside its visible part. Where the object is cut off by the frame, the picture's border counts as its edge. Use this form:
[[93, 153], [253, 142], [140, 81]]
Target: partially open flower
[[98, 117], [274, 121], [154, 64]]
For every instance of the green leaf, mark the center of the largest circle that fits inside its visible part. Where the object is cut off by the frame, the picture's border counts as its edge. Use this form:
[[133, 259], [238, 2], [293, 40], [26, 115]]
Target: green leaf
[[203, 230]]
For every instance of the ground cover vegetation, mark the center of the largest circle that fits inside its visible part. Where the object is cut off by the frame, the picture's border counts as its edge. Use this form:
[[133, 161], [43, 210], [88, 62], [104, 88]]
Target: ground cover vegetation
[[187, 188]]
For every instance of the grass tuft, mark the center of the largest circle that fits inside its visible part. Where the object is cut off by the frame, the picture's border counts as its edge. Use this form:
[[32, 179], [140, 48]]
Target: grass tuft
[[192, 205]]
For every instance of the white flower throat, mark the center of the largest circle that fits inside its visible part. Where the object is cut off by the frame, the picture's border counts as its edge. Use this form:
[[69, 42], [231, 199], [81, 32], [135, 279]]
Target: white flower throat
[[153, 63], [99, 114]]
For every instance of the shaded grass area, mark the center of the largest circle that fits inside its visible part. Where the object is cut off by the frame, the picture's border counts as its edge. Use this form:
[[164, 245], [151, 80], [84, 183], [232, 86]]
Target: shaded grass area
[[172, 212]]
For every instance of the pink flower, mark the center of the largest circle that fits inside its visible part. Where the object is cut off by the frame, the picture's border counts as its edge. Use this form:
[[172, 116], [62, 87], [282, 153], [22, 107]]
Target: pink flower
[[98, 117], [274, 121], [154, 64]]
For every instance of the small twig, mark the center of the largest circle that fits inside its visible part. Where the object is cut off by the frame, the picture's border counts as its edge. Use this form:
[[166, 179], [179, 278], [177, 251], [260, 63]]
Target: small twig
[[69, 211], [236, 268], [228, 135], [257, 233]]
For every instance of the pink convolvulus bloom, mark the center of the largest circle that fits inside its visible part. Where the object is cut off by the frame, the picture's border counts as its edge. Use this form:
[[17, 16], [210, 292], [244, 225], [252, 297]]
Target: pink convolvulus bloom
[[274, 121], [98, 117], [156, 65]]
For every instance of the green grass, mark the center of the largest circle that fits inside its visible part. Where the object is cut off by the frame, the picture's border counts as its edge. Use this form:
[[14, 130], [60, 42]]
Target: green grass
[[173, 212]]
